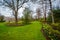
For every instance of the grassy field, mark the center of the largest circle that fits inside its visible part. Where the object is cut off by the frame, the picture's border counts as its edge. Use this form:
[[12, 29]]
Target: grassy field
[[27, 32]]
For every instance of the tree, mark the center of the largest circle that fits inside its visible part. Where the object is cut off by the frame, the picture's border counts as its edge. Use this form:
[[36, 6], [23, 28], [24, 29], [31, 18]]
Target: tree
[[56, 15], [44, 8], [38, 13], [49, 18], [26, 15], [1, 18], [14, 5], [44, 4], [51, 11]]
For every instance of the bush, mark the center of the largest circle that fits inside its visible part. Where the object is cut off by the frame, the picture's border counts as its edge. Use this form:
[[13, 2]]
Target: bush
[[51, 33], [56, 26], [14, 24], [2, 21], [2, 18]]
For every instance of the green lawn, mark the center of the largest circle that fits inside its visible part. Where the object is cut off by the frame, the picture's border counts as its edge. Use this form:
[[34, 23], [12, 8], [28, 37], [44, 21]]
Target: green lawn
[[27, 32]]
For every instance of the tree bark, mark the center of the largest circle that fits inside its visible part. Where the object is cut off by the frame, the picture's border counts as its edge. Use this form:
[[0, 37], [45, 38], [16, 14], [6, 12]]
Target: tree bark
[[51, 11], [45, 16], [44, 10], [16, 18]]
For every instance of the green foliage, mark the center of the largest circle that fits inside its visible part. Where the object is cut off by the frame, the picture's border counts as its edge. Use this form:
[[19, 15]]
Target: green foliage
[[1, 18], [56, 26], [57, 15], [51, 33], [49, 18], [42, 19], [26, 16], [14, 24]]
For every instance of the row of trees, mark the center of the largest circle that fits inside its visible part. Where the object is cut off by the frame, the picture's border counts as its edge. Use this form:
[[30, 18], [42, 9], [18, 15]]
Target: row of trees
[[48, 4], [15, 5]]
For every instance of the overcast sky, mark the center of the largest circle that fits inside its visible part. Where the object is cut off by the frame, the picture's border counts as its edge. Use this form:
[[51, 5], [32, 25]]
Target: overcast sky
[[7, 12]]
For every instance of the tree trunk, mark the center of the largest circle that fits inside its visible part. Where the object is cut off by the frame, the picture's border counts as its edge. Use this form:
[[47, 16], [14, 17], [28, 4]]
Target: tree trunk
[[45, 8], [16, 18], [51, 11], [45, 16], [52, 17]]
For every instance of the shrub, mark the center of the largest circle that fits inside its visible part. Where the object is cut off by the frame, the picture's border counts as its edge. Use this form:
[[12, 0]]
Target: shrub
[[2, 18], [56, 26], [51, 33]]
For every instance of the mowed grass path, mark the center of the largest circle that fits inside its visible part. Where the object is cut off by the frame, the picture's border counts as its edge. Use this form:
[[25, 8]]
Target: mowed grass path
[[27, 32]]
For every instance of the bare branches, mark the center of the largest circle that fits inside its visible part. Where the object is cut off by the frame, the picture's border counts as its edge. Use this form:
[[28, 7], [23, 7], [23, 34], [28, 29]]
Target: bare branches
[[14, 5], [8, 4], [24, 1], [38, 13]]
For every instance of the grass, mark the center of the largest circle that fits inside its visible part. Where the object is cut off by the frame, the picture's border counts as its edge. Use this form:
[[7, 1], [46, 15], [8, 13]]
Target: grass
[[28, 32]]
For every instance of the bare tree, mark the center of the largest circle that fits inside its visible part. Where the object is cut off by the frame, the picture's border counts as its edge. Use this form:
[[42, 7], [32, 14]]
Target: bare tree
[[45, 9], [14, 5], [43, 2], [38, 13]]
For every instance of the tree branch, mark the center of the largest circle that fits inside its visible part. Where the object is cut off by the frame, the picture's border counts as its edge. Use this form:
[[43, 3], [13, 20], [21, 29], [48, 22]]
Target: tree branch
[[7, 4], [22, 3]]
